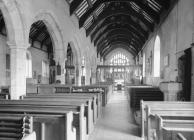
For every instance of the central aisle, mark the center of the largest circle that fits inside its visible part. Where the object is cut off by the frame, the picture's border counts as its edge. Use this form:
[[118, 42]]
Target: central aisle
[[116, 122]]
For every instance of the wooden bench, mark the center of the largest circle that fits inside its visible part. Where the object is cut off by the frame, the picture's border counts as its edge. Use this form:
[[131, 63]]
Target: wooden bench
[[180, 137], [174, 124], [39, 110], [4, 96], [15, 127], [85, 89], [150, 109], [96, 99], [45, 89], [67, 101], [144, 93]]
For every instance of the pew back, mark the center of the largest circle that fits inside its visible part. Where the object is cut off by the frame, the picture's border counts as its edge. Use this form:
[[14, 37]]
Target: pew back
[[144, 93], [163, 109], [40, 113]]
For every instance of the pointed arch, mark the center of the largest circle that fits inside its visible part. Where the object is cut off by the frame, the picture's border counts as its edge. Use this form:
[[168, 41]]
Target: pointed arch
[[13, 23], [54, 30], [157, 57]]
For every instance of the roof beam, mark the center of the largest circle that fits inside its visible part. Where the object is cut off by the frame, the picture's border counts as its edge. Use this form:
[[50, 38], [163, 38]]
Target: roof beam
[[38, 31], [119, 18], [153, 14], [113, 46], [110, 28], [107, 13], [105, 52], [119, 38], [136, 42], [74, 5]]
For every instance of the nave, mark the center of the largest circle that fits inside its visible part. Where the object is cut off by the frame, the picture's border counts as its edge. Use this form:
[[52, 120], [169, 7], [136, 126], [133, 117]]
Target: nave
[[117, 120], [60, 60]]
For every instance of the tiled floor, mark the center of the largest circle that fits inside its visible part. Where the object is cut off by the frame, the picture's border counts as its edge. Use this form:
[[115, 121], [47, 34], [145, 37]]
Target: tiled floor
[[116, 122]]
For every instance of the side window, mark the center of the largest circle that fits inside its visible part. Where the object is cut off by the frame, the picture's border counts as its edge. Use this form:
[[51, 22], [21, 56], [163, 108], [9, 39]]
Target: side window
[[157, 57]]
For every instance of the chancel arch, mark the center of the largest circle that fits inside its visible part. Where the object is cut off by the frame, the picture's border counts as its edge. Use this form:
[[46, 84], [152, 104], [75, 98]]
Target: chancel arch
[[118, 66]]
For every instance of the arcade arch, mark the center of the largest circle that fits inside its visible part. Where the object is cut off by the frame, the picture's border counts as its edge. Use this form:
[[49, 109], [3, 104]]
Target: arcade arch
[[14, 45], [42, 51]]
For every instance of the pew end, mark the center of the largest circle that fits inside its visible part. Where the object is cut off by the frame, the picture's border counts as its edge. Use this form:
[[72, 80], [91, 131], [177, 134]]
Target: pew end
[[31, 136], [70, 130], [180, 137]]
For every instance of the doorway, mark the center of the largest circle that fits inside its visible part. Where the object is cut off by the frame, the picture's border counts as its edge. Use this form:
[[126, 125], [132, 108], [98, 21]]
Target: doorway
[[184, 74]]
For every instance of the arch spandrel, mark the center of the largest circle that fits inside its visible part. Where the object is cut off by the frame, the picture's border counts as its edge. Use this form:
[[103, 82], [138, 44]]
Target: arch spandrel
[[13, 23]]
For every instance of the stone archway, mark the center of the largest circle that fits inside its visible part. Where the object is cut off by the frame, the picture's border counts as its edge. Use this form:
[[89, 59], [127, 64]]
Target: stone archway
[[56, 35], [77, 59], [17, 44], [13, 22], [55, 32]]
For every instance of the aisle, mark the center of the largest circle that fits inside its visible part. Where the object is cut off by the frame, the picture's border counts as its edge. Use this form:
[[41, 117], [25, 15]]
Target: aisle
[[116, 122]]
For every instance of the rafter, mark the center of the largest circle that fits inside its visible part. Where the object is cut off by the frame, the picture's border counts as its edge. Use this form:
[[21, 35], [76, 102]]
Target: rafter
[[107, 13], [153, 14], [119, 38], [132, 40], [105, 52], [38, 31], [120, 18], [74, 5], [133, 31], [110, 28], [112, 45]]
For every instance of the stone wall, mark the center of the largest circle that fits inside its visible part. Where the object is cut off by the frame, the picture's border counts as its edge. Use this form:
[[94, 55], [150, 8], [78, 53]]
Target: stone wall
[[176, 33]]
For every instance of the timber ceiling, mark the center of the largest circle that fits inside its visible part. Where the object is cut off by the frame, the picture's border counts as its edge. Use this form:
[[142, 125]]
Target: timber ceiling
[[126, 22]]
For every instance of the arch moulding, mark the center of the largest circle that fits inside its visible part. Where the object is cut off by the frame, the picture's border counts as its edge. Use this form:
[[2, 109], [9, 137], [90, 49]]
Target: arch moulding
[[13, 23]]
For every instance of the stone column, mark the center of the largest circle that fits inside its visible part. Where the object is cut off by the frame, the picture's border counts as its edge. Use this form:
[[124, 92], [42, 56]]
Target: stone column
[[192, 74], [77, 73], [18, 69], [59, 57]]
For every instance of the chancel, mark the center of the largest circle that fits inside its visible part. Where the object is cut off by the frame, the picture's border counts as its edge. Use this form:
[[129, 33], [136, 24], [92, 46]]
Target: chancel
[[96, 69]]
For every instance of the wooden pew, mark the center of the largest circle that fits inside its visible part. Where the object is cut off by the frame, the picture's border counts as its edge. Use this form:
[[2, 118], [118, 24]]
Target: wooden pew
[[180, 137], [149, 109], [87, 102], [85, 89], [4, 96], [148, 93], [49, 89], [38, 109], [94, 88], [173, 124], [96, 99], [15, 127], [31, 136]]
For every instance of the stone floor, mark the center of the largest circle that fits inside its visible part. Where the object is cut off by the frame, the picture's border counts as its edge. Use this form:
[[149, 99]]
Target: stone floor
[[116, 122]]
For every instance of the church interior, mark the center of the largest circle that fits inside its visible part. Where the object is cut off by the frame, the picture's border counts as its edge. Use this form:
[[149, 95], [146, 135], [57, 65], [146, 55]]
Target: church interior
[[96, 69]]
